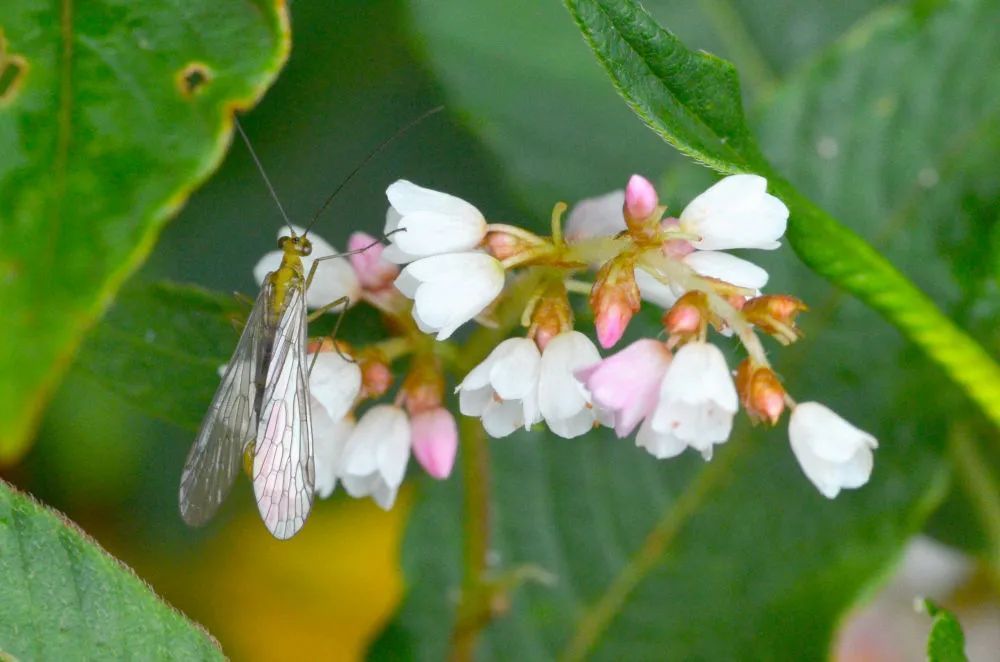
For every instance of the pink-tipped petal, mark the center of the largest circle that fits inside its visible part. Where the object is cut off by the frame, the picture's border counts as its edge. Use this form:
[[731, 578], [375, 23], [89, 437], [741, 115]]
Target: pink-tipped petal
[[640, 198], [435, 441], [611, 323], [628, 383]]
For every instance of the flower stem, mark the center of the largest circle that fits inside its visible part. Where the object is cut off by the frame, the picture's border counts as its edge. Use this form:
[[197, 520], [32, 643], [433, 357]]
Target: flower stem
[[578, 286], [474, 608]]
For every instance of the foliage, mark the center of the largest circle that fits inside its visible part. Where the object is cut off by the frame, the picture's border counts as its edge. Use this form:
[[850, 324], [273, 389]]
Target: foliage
[[63, 597], [116, 113]]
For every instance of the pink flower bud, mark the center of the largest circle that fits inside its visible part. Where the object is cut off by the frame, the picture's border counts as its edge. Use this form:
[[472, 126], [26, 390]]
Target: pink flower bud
[[373, 272], [614, 299], [376, 377], [686, 317], [611, 321], [640, 198], [761, 392], [502, 245], [551, 316], [434, 436]]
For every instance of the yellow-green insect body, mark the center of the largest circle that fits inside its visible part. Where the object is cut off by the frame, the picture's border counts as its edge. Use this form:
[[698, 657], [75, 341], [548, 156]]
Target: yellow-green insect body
[[289, 274], [260, 415]]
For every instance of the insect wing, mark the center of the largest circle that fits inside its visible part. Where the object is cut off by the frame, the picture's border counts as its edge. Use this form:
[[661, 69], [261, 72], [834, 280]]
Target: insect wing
[[231, 422], [283, 470]]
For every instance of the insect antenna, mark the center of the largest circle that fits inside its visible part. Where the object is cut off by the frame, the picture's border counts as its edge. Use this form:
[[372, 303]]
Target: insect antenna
[[263, 173], [371, 155]]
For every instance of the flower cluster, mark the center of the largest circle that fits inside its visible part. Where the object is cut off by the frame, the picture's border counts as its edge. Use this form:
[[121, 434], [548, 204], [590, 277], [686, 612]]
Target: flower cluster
[[444, 265]]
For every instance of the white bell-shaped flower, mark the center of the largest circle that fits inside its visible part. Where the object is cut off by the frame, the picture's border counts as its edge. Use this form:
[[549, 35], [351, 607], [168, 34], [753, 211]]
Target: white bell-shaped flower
[[449, 290], [697, 398], [503, 389], [736, 212], [329, 439], [334, 278], [334, 383], [834, 454], [661, 445], [563, 401], [422, 222], [375, 455]]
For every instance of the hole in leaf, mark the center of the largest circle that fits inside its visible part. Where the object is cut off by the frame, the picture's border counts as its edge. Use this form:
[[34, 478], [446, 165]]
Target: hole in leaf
[[193, 78], [12, 70]]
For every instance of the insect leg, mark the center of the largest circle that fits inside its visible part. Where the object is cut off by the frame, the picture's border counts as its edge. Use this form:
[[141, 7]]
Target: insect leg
[[314, 315], [315, 264], [336, 327]]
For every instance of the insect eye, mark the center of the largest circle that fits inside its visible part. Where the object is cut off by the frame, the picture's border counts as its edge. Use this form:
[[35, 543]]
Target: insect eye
[[306, 249], [281, 242]]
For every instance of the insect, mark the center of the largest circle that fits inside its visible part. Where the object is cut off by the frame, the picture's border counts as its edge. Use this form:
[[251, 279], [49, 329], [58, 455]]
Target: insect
[[260, 416]]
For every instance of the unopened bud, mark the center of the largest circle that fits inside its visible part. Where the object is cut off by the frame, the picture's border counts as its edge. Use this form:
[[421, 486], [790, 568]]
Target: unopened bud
[[376, 377], [687, 316], [640, 198], [775, 314], [503, 245], [550, 315], [641, 209], [614, 299], [760, 391], [423, 388]]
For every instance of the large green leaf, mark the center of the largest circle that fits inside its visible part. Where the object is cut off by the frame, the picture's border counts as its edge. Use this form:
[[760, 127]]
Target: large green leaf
[[654, 71], [64, 598], [159, 335], [112, 114], [743, 560]]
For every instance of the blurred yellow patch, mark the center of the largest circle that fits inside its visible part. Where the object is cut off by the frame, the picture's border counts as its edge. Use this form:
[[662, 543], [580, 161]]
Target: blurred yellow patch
[[322, 595]]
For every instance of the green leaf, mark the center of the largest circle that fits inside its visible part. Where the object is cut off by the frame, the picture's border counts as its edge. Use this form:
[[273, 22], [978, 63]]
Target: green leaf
[[691, 99], [63, 597], [654, 72], [115, 113], [164, 334], [946, 641]]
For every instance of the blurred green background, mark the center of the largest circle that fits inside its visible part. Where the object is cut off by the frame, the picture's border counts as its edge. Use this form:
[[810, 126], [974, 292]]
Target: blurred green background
[[531, 119]]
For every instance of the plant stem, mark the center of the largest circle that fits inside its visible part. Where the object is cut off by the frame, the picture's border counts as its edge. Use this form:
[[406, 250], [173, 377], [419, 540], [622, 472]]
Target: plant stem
[[474, 609], [982, 489]]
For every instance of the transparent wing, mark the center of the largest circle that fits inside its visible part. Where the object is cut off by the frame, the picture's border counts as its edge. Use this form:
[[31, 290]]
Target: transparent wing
[[283, 471], [216, 456]]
